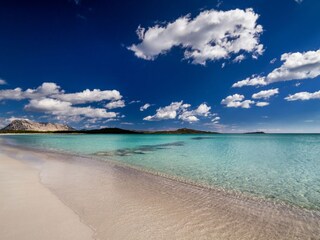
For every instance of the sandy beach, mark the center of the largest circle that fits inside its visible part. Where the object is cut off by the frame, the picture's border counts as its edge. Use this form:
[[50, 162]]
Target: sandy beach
[[30, 211], [58, 196]]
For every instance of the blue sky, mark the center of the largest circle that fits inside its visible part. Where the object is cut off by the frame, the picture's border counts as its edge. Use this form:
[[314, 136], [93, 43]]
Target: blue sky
[[227, 65]]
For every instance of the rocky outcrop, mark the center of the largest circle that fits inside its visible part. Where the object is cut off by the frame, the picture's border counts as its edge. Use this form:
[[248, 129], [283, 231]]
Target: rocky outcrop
[[27, 125]]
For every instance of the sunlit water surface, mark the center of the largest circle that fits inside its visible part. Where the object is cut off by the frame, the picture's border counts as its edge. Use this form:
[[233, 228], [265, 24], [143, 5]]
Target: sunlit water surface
[[282, 167]]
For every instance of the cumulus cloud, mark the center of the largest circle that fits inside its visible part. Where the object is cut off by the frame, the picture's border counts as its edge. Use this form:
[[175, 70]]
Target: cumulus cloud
[[303, 96], [236, 101], [203, 110], [212, 35], [262, 104], [181, 111], [145, 107], [47, 105], [168, 112], [116, 104], [88, 96], [11, 94], [266, 94], [191, 115], [251, 81], [2, 82], [239, 58], [188, 117], [296, 66], [49, 98], [60, 108], [45, 90]]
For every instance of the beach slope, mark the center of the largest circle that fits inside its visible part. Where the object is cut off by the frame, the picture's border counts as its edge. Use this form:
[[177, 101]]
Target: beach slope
[[28, 210]]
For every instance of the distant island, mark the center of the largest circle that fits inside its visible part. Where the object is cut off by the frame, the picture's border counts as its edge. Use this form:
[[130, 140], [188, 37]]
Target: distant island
[[259, 132], [183, 131], [27, 126]]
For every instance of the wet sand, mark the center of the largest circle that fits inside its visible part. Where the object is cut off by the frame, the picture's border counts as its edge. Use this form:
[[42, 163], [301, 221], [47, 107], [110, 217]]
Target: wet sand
[[117, 202]]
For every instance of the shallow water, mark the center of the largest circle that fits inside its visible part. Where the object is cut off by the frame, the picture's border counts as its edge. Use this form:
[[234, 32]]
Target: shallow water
[[119, 202], [283, 167]]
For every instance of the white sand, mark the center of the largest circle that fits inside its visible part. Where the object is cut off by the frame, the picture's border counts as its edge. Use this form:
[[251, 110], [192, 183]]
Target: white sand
[[28, 210], [122, 203]]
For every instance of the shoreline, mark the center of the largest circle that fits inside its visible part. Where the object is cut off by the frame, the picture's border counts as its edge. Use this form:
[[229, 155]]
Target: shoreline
[[233, 193], [132, 204]]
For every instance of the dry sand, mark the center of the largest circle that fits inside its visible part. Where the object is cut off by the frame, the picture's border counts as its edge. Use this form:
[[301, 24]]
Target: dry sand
[[122, 203], [29, 211]]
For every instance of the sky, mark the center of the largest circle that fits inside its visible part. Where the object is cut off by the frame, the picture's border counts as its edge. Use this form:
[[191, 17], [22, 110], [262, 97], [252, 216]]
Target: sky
[[218, 65]]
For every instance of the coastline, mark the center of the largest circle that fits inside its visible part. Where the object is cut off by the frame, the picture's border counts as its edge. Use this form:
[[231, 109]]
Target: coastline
[[233, 193], [124, 203]]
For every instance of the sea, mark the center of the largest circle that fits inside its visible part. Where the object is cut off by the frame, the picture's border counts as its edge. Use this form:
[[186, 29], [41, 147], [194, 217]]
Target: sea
[[280, 167]]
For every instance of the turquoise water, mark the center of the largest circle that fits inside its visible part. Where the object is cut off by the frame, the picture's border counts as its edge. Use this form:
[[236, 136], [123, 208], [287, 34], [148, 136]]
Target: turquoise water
[[279, 166]]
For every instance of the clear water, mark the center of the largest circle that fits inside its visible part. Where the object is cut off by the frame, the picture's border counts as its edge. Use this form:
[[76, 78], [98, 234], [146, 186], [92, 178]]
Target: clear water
[[279, 166]]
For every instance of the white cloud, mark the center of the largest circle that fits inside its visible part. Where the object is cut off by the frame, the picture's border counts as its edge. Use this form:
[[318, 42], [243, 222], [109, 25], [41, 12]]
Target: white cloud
[[65, 109], [215, 120], [2, 82], [212, 35], [236, 100], [51, 99], [272, 61], [296, 66], [303, 96], [134, 101], [168, 112], [116, 104], [266, 94], [251, 81], [203, 110], [47, 105], [187, 117], [46, 89], [181, 111], [191, 115], [239, 58], [88, 96], [145, 107], [11, 94], [262, 104]]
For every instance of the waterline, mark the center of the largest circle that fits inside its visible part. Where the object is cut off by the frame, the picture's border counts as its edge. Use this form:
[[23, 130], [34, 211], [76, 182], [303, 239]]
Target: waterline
[[278, 167]]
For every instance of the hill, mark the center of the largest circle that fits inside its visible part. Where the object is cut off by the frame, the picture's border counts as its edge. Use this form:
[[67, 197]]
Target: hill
[[22, 125], [27, 126], [183, 131]]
